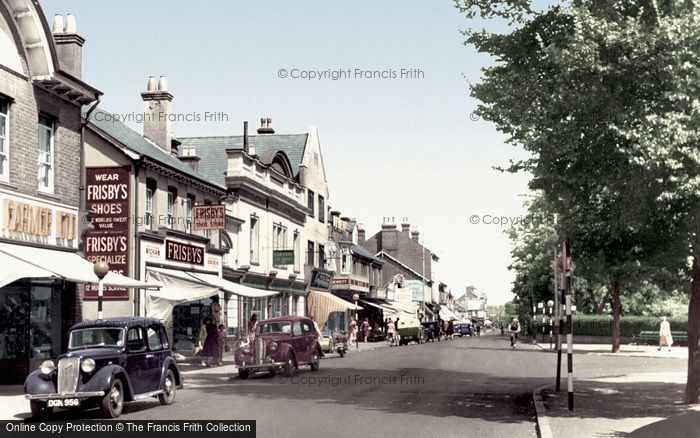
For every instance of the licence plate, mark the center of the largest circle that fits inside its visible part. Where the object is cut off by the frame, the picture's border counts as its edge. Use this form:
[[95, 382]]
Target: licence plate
[[63, 403]]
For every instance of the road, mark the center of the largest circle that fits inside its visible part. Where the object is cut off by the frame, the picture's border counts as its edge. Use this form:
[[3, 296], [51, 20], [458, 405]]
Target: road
[[466, 387]]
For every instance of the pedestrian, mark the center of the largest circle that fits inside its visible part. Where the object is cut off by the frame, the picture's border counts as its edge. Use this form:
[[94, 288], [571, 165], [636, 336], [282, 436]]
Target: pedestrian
[[514, 330], [450, 331], [390, 332], [665, 338], [352, 332], [252, 324], [478, 329], [364, 328], [210, 350], [222, 342]]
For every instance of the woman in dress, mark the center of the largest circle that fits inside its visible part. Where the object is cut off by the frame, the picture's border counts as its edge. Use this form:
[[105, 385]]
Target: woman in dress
[[665, 338], [211, 344], [251, 327], [352, 335]]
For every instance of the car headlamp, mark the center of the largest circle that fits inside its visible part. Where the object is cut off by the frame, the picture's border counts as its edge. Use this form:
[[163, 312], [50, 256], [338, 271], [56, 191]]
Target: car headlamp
[[246, 348], [273, 346], [88, 365], [47, 367]]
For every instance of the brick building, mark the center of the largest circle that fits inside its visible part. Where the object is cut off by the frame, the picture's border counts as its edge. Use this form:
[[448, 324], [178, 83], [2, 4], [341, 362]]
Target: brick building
[[41, 94]]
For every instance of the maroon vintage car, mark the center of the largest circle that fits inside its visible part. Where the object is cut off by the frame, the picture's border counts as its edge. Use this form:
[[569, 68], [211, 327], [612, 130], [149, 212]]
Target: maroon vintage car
[[280, 344]]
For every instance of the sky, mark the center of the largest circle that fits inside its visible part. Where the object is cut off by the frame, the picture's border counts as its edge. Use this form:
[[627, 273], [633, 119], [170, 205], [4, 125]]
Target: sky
[[392, 146]]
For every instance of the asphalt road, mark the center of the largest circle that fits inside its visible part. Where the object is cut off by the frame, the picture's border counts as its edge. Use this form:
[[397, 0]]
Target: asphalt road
[[461, 388]]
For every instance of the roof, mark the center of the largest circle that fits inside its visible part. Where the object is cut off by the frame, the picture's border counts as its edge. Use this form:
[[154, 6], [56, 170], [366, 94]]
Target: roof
[[212, 150], [403, 265], [119, 322], [356, 249], [111, 126]]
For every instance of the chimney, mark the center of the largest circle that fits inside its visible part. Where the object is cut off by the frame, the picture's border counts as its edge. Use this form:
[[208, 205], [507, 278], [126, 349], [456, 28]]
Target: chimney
[[156, 113], [245, 137], [69, 45], [189, 157], [415, 235], [265, 126], [360, 234], [405, 226], [389, 238]]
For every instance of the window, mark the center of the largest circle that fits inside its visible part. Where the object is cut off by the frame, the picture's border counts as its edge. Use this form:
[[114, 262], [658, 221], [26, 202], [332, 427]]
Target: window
[[296, 329], [345, 262], [189, 202], [46, 152], [148, 219], [4, 123], [297, 251], [321, 209], [321, 256], [254, 240], [170, 218], [310, 201], [279, 240], [153, 338], [135, 339], [310, 253]]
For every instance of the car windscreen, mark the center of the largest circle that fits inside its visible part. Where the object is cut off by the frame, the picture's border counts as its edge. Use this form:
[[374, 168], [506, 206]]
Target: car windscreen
[[96, 337], [274, 327]]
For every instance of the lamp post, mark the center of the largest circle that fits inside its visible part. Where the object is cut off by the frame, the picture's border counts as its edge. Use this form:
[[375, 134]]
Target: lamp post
[[355, 298], [100, 269], [550, 305]]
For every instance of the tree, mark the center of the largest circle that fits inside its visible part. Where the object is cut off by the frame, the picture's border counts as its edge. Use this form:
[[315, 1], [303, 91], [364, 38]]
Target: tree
[[604, 95]]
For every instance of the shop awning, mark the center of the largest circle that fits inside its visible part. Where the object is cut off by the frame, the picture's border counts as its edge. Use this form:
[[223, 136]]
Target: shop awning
[[409, 307], [321, 304], [208, 281], [382, 307], [234, 288], [20, 261], [447, 314]]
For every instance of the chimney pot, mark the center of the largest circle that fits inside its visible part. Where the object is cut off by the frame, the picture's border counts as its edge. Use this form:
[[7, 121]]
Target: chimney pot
[[71, 26], [151, 83], [58, 25], [265, 127], [163, 84]]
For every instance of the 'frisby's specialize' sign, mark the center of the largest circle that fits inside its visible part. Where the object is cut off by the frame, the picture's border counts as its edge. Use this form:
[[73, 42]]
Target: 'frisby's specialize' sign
[[107, 196], [184, 253]]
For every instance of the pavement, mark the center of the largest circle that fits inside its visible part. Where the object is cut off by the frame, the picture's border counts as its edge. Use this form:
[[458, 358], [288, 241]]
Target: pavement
[[14, 406], [641, 404]]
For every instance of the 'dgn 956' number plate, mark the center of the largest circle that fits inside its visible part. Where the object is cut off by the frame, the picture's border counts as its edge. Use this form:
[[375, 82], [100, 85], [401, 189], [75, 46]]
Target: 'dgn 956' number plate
[[63, 403]]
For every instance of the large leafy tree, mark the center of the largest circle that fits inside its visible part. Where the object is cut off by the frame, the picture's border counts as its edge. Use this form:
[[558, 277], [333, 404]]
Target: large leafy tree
[[604, 95]]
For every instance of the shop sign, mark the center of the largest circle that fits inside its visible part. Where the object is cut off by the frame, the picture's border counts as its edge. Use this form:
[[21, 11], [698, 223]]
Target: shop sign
[[23, 220], [184, 253], [209, 217], [107, 193], [283, 257], [153, 251], [320, 280], [213, 262]]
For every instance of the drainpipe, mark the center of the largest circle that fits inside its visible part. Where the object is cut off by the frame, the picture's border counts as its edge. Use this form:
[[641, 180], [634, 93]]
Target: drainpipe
[[136, 248]]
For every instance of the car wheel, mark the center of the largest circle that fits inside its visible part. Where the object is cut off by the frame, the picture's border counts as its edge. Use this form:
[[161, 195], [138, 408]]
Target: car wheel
[[169, 387], [113, 401], [288, 368], [315, 361], [39, 409], [243, 374]]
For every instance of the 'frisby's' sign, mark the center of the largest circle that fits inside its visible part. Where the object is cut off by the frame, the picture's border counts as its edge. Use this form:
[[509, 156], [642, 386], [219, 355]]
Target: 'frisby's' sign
[[184, 253]]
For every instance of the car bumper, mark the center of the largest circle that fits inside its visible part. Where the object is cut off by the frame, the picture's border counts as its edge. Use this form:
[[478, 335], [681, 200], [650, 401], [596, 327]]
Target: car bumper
[[86, 394]]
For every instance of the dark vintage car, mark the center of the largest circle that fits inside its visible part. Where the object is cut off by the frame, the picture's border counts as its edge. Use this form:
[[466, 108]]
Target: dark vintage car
[[108, 362], [463, 329], [281, 344]]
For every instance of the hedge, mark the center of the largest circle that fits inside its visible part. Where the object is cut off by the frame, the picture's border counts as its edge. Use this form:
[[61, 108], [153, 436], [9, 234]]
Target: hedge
[[601, 325]]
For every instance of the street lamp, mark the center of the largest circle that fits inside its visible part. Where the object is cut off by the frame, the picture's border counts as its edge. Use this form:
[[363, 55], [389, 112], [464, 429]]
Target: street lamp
[[100, 269], [550, 305], [355, 298]]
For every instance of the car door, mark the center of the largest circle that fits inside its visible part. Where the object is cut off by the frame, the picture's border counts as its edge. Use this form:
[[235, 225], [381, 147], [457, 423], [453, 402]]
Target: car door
[[297, 342], [136, 367], [308, 339], [155, 357]]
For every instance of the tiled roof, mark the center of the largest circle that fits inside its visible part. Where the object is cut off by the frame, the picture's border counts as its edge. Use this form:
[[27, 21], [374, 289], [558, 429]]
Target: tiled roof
[[356, 249], [137, 143], [212, 150]]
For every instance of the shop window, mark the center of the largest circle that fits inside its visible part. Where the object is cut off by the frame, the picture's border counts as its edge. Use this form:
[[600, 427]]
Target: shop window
[[4, 139], [45, 148]]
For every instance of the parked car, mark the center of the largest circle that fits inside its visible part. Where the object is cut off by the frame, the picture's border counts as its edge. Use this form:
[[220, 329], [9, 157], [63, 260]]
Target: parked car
[[281, 345], [432, 330], [108, 362], [410, 329]]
